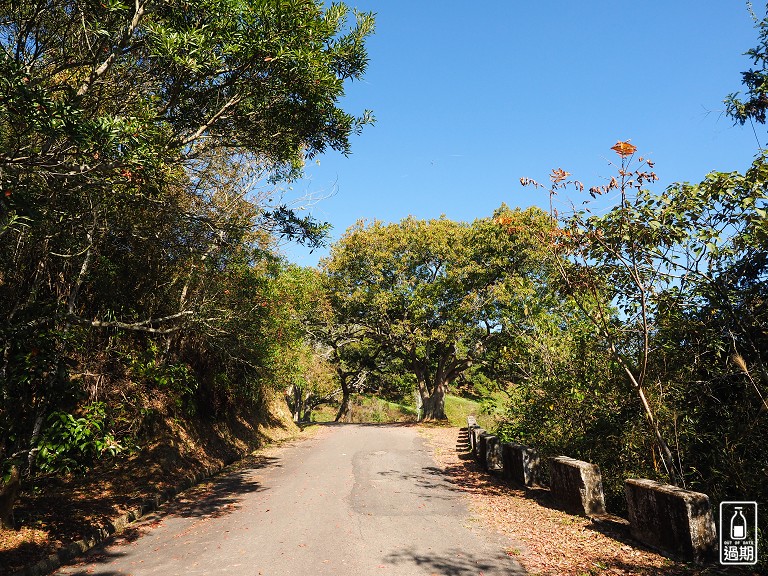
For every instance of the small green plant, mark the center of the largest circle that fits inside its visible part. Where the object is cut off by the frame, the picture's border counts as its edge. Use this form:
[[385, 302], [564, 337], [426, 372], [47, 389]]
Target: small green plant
[[71, 444], [178, 379]]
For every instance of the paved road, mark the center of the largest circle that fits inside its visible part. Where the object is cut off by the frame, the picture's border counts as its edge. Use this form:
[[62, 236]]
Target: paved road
[[356, 500]]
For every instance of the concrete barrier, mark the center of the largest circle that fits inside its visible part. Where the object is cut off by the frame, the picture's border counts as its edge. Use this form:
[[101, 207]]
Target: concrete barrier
[[493, 461], [471, 423], [475, 434], [520, 463], [482, 449], [470, 443], [576, 486], [676, 521]]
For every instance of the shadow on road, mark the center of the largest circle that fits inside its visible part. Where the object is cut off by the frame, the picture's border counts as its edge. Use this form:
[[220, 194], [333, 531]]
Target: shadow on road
[[456, 562], [99, 573], [84, 569], [307, 425], [216, 498]]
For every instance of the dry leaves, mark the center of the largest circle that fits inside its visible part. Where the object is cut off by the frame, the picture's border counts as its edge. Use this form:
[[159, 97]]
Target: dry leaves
[[547, 541], [558, 175], [624, 149]]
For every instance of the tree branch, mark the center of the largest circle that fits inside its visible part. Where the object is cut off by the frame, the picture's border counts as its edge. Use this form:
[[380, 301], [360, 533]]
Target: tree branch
[[124, 40], [143, 326], [200, 131]]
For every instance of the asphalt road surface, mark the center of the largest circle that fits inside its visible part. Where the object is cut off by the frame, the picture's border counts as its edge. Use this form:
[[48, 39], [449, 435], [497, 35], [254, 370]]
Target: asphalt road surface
[[355, 500]]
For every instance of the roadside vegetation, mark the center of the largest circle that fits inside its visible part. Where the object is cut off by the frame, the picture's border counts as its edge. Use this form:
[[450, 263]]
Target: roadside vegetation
[[143, 154], [374, 409], [146, 316]]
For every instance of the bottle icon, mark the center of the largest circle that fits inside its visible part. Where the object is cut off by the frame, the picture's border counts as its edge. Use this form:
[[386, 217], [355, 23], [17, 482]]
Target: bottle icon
[[738, 525]]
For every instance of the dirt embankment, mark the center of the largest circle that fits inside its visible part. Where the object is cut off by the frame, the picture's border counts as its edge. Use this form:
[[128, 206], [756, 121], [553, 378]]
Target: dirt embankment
[[57, 511]]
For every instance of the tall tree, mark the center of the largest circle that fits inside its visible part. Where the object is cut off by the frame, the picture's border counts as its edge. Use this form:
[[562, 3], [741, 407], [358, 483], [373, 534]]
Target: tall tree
[[755, 80], [429, 293], [129, 136], [616, 263]]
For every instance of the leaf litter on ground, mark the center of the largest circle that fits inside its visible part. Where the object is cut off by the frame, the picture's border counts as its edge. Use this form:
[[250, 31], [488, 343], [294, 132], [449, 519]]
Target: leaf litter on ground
[[547, 541]]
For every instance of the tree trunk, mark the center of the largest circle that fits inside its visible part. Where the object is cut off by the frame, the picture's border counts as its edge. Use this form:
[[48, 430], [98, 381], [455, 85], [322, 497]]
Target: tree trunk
[[307, 417], [9, 492], [294, 397], [345, 394], [298, 405], [344, 408], [434, 404], [36, 430]]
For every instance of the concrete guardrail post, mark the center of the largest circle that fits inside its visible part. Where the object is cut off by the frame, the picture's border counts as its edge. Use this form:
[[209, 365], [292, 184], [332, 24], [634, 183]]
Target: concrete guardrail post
[[520, 463], [482, 449], [473, 435], [493, 461], [676, 521], [471, 423], [476, 433], [576, 485]]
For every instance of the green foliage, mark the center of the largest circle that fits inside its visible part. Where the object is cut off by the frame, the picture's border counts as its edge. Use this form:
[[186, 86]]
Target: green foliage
[[175, 379], [755, 80], [669, 293], [70, 444], [672, 287], [371, 409], [432, 295], [140, 148], [457, 409]]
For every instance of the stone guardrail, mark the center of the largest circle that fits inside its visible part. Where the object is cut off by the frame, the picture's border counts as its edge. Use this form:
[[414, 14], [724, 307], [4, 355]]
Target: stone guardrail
[[577, 486], [674, 521], [486, 443], [474, 435], [521, 464], [490, 448], [470, 439], [671, 519]]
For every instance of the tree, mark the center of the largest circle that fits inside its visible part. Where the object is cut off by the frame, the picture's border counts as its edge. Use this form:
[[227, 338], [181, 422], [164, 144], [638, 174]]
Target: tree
[[617, 261], [429, 292], [311, 381], [310, 365], [671, 290], [98, 99], [644, 271], [755, 80], [131, 136]]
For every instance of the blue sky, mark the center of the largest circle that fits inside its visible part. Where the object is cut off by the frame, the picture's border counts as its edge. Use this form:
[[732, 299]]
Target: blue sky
[[471, 96]]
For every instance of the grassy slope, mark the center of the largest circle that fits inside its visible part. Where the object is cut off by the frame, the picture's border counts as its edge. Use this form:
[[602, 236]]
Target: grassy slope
[[457, 409], [368, 409], [372, 409]]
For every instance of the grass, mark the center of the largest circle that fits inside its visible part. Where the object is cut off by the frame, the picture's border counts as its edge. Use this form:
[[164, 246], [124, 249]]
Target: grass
[[372, 409], [457, 409], [368, 409], [324, 413]]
